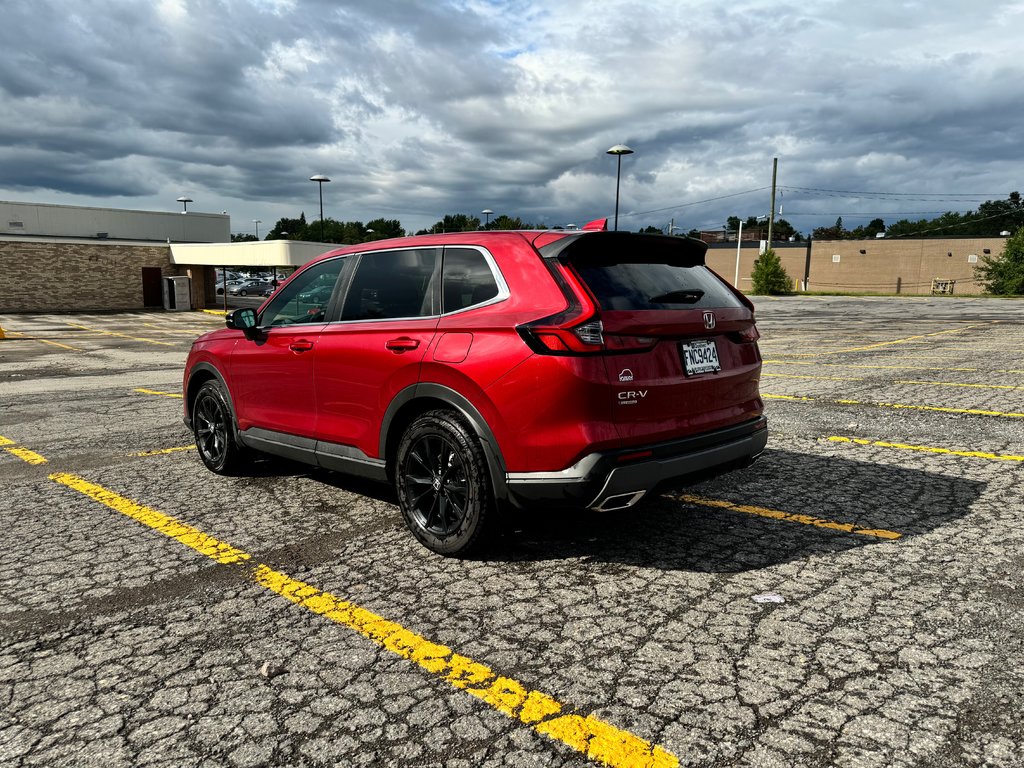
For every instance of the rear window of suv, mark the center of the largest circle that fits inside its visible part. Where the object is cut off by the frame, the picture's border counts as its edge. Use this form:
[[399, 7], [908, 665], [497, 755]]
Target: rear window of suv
[[633, 286]]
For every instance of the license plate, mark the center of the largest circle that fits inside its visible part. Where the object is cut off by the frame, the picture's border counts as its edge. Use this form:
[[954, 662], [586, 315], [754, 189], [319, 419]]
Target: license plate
[[700, 357]]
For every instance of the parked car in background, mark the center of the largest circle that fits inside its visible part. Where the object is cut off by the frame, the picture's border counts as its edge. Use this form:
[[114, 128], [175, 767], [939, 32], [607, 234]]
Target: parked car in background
[[252, 288], [484, 373], [230, 284]]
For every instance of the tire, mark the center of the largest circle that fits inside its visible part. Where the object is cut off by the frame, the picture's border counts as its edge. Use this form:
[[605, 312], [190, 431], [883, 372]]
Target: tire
[[242, 293], [443, 484], [214, 428]]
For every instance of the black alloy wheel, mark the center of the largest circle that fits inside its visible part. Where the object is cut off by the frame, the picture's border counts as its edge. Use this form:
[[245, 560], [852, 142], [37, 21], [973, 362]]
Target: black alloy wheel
[[213, 426], [443, 484]]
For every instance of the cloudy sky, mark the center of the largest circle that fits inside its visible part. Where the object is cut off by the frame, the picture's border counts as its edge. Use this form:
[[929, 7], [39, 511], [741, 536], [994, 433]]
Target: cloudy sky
[[877, 108]]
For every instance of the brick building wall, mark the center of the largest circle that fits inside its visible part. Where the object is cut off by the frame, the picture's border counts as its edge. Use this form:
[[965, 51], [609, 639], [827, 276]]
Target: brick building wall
[[48, 275]]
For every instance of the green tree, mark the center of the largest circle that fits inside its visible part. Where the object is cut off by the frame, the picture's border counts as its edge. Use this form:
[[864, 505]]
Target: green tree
[[836, 232], [384, 228], [242, 237], [457, 222], [869, 230], [783, 230], [1004, 274], [290, 229], [507, 222], [769, 276], [733, 223]]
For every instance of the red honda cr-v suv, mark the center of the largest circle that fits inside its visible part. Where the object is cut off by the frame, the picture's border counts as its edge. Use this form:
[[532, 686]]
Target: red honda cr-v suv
[[485, 371]]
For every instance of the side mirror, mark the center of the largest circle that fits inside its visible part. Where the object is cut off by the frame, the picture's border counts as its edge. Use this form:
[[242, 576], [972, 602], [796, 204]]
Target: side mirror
[[241, 319]]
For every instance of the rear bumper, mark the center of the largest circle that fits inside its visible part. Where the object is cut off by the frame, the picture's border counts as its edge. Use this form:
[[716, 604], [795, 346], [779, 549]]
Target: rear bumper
[[619, 479]]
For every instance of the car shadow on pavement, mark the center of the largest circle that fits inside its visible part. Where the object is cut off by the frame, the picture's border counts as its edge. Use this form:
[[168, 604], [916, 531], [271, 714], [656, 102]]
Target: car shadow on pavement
[[674, 534]]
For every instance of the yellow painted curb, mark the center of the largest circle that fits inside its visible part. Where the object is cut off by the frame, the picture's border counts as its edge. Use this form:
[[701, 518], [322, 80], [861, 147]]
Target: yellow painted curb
[[214, 311]]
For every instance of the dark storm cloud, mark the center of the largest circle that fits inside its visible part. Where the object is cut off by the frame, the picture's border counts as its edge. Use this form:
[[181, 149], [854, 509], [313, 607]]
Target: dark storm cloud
[[419, 109]]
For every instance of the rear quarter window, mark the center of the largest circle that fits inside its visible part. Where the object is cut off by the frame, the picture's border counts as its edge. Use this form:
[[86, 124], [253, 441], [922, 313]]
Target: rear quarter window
[[639, 286]]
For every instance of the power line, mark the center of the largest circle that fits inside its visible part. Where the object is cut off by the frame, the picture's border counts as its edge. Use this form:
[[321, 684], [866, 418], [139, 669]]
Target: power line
[[900, 194], [695, 202]]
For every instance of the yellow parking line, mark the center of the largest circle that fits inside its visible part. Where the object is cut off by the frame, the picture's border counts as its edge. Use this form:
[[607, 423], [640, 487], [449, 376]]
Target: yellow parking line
[[790, 517], [972, 411], [158, 392], [819, 378], [927, 449], [910, 339], [590, 735], [160, 451], [20, 335], [956, 384], [122, 335], [12, 447], [890, 367], [875, 367], [26, 455]]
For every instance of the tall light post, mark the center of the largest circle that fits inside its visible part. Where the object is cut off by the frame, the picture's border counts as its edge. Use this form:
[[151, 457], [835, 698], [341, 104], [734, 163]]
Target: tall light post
[[257, 222], [739, 242], [618, 150], [184, 203], [487, 212], [320, 179]]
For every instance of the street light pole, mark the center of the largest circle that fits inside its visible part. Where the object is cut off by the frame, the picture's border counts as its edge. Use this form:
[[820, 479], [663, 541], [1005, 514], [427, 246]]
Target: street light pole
[[257, 222], [320, 179], [739, 242], [184, 200], [618, 150], [487, 212]]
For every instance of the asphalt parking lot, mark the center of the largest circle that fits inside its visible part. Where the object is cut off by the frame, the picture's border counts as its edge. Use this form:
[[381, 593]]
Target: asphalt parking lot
[[855, 598]]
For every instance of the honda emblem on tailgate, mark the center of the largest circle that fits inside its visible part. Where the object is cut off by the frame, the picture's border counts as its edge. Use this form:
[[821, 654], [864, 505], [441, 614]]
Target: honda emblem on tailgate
[[709, 320]]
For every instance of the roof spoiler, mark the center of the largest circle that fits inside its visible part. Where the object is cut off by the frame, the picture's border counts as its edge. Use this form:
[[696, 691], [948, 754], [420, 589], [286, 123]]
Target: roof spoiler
[[597, 225]]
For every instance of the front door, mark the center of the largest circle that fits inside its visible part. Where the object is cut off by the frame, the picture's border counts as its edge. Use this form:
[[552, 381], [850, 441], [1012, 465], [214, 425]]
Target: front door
[[272, 370]]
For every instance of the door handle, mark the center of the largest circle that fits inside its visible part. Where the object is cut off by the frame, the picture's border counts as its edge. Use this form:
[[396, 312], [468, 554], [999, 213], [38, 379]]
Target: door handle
[[300, 346], [401, 344]]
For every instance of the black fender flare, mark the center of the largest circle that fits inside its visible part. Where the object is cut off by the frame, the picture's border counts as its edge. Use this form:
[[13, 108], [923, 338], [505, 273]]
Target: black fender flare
[[447, 395], [207, 368]]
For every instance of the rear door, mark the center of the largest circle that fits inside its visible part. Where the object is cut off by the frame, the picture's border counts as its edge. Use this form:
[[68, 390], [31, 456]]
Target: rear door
[[683, 357], [387, 321]]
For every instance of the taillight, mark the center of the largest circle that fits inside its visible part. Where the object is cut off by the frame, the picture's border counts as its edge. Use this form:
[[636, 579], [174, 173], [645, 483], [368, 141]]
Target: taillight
[[747, 335], [549, 338], [576, 330]]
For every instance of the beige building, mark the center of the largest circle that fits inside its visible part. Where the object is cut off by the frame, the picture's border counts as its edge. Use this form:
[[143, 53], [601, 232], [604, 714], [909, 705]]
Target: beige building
[[897, 266]]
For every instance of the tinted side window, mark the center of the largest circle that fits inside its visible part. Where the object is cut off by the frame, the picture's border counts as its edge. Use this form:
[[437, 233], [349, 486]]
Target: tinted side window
[[467, 279], [392, 284], [304, 299], [656, 286]]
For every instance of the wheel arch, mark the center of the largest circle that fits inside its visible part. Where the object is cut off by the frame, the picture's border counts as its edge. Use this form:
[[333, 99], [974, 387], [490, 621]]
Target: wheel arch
[[418, 399], [200, 374]]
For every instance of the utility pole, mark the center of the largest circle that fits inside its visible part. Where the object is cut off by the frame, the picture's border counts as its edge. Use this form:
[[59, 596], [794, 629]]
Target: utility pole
[[771, 220]]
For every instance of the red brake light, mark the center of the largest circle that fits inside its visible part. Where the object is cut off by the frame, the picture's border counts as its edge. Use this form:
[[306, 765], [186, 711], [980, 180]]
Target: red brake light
[[576, 330], [748, 334]]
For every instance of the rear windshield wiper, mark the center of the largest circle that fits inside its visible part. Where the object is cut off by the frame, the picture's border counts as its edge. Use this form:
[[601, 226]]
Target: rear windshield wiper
[[683, 296]]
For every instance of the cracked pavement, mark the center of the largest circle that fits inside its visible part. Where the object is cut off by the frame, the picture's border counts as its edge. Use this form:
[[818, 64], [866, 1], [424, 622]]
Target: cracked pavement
[[121, 647]]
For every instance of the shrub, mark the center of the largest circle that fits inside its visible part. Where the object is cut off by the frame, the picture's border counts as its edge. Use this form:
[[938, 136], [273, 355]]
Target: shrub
[[1004, 274], [769, 275]]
